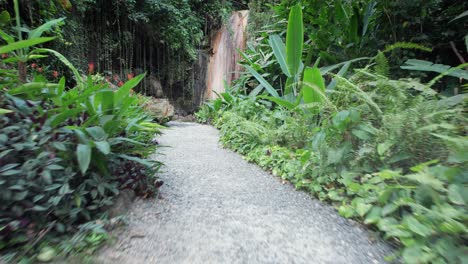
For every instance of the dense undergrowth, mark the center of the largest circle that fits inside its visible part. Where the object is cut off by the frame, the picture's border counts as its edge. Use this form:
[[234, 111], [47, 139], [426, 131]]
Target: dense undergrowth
[[388, 152], [65, 152]]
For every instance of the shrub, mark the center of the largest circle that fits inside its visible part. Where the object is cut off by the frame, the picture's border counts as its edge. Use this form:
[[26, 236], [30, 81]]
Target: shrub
[[65, 152], [387, 152]]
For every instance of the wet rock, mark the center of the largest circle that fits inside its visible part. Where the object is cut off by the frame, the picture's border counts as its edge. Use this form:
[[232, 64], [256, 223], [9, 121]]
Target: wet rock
[[160, 107]]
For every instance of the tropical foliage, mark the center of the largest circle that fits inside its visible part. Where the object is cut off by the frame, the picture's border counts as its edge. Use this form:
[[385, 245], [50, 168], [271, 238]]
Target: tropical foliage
[[66, 152], [388, 152]]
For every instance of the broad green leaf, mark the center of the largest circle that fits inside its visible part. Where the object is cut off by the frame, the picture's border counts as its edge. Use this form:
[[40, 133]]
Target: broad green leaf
[[455, 194], [23, 44], [294, 40], [125, 89], [362, 208], [279, 49], [421, 65], [60, 118], [83, 154], [313, 86], [106, 100], [416, 226], [103, 146], [97, 133], [263, 82]]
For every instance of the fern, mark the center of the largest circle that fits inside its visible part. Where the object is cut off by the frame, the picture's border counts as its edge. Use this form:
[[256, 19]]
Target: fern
[[406, 45], [381, 64]]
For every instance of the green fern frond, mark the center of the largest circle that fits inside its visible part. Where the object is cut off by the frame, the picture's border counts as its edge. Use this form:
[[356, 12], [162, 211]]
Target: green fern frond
[[406, 45], [381, 64]]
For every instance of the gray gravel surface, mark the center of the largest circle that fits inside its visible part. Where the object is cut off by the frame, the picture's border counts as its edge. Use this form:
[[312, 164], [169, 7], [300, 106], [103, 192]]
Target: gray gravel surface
[[215, 207]]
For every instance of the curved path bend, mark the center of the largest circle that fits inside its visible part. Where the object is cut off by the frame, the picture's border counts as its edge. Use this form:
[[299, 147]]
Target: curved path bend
[[215, 207]]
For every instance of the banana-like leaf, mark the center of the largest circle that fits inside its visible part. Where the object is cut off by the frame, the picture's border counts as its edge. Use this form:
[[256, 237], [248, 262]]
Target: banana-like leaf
[[23, 44], [279, 49], [263, 82], [421, 65], [294, 40], [313, 86]]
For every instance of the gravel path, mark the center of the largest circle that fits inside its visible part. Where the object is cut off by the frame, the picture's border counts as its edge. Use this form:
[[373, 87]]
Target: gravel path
[[217, 208]]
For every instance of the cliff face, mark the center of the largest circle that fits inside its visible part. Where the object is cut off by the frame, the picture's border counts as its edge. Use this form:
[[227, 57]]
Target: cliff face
[[223, 66]]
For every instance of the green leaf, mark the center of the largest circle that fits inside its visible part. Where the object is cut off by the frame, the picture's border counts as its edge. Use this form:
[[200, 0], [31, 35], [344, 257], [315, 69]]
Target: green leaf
[[362, 208], [294, 40], [64, 61], [313, 87], [373, 216], [123, 91], [5, 111], [384, 147], [280, 102], [103, 146], [279, 49], [97, 133], [28, 88], [464, 14], [421, 65], [23, 44], [144, 162], [415, 226], [4, 17], [455, 194], [83, 154], [453, 227], [36, 33], [263, 82], [8, 39], [389, 208]]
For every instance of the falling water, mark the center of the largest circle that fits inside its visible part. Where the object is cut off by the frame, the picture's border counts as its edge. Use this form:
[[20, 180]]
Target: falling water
[[223, 64]]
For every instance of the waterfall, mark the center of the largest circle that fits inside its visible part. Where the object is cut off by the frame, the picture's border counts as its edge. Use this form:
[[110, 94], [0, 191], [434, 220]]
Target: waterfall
[[223, 66]]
